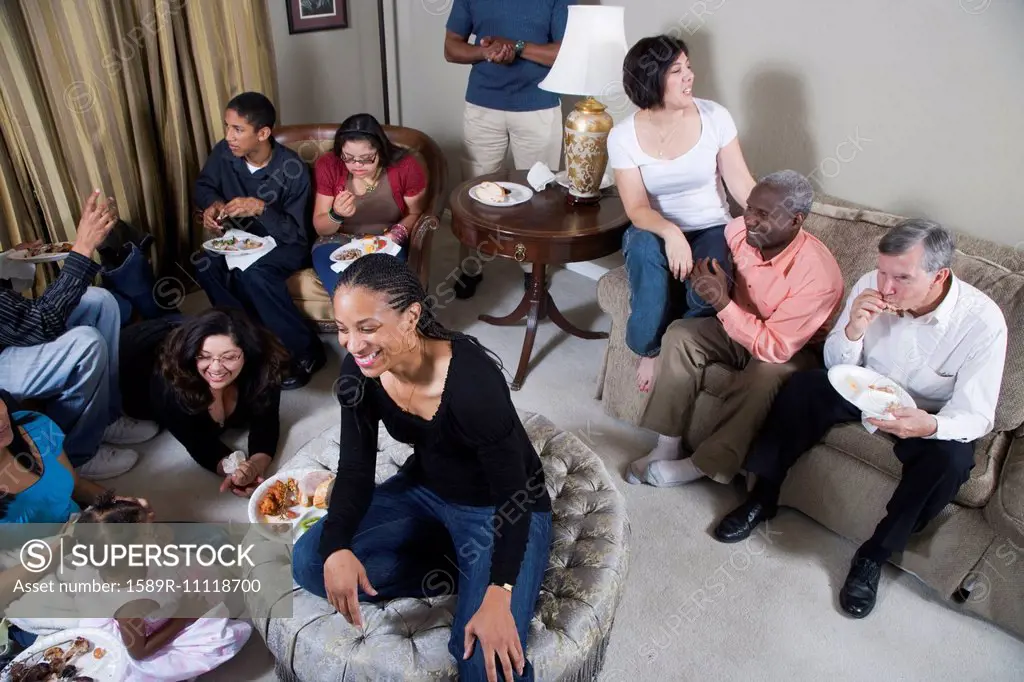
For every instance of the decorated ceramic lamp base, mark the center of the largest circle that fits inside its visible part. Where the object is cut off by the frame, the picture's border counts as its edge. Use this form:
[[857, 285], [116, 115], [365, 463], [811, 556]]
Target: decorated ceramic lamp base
[[577, 200], [586, 150]]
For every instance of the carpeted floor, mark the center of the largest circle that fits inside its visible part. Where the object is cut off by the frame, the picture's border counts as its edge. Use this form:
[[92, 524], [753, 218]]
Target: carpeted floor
[[693, 609]]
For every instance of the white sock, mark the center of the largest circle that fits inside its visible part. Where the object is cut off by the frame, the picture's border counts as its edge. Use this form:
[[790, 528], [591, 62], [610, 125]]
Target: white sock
[[667, 448], [674, 472]]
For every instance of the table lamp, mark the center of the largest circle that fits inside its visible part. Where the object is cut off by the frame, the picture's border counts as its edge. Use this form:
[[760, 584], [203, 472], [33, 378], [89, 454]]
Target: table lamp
[[589, 63]]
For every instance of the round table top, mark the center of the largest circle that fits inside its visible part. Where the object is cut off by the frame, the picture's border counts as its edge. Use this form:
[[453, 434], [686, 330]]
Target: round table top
[[547, 215]]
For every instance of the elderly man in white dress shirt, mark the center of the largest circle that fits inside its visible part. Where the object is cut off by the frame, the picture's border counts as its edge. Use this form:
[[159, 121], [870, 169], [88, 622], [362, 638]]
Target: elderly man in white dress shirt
[[941, 339]]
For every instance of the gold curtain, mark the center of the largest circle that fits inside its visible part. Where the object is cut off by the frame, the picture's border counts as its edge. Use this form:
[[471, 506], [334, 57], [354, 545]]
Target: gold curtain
[[124, 95]]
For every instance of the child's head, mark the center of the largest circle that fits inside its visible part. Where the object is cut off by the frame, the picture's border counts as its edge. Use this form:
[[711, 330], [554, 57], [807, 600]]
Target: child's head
[[111, 509]]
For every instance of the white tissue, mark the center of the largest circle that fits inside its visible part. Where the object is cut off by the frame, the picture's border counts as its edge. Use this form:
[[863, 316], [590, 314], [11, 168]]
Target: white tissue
[[232, 461], [540, 176]]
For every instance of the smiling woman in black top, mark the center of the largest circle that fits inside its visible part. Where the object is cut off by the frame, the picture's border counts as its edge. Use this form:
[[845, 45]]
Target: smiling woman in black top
[[468, 511], [198, 378]]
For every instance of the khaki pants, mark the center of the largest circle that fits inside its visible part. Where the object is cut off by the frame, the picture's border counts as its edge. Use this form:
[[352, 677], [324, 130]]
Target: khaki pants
[[689, 346], [487, 133]]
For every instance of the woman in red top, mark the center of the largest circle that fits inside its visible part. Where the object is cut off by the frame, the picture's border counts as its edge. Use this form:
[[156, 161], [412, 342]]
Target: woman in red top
[[366, 186]]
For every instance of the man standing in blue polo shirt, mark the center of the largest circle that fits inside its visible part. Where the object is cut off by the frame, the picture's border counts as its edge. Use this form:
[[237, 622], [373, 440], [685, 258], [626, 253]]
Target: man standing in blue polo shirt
[[516, 44]]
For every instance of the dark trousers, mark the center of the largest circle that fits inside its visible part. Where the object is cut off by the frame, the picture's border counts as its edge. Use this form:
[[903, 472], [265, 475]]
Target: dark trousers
[[262, 290], [407, 541], [806, 408]]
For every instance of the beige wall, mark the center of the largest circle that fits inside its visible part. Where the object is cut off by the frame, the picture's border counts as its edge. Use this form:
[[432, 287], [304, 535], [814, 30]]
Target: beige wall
[[325, 76], [914, 106]]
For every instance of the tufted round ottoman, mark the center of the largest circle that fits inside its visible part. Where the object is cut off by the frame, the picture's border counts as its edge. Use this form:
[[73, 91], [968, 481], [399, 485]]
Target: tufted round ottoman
[[406, 639]]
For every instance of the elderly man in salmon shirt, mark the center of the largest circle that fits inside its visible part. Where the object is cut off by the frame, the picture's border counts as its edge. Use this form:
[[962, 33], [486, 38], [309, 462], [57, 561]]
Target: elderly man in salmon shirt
[[787, 289]]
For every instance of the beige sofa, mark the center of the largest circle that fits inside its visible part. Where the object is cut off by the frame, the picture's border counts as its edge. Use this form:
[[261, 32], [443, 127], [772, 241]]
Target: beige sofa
[[973, 553]]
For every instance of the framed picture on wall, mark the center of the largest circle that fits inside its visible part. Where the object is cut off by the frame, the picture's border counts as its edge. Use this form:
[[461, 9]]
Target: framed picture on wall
[[316, 15]]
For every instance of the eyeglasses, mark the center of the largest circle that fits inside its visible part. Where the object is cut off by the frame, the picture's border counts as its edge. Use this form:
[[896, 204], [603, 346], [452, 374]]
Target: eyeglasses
[[361, 161], [226, 359]]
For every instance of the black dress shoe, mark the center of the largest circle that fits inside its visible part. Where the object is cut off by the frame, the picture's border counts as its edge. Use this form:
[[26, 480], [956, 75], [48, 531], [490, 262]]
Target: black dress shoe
[[465, 285], [741, 521], [861, 587], [303, 370]]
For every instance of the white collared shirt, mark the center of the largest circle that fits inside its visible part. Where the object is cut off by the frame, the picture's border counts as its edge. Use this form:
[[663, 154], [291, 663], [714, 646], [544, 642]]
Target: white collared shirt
[[950, 360]]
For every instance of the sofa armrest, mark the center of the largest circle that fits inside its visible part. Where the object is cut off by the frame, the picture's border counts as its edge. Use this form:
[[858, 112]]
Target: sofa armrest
[[420, 238], [1005, 511]]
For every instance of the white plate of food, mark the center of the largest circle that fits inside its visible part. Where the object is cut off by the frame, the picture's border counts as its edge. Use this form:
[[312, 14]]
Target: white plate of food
[[562, 178], [875, 394], [500, 193], [44, 253], [77, 654], [285, 505], [234, 245], [346, 254]]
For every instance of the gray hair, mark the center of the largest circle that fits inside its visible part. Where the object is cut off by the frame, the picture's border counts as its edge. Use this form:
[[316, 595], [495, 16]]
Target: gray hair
[[939, 243], [797, 193]]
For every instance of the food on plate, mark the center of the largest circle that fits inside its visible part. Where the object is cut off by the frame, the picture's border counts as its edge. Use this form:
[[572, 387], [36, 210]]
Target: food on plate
[[348, 254], [99, 653], [310, 483], [322, 496], [492, 191], [308, 523], [44, 250], [883, 388], [372, 244], [235, 244], [56, 664], [279, 498]]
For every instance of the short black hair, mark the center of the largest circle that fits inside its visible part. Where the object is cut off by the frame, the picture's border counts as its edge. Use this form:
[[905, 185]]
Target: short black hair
[[645, 67], [255, 108]]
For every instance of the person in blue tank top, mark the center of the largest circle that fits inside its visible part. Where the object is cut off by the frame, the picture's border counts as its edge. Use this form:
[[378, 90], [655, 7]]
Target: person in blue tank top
[[516, 45], [39, 484]]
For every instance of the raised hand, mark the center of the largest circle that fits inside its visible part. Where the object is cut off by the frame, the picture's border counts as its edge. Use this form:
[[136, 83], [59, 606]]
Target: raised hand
[[98, 219], [865, 310], [344, 204]]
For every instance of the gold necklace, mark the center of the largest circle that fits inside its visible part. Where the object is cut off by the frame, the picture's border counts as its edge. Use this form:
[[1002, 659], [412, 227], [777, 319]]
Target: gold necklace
[[376, 181], [662, 140]]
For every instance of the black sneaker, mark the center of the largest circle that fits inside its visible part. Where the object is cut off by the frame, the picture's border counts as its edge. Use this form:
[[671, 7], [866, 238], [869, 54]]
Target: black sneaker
[[465, 285], [302, 370]]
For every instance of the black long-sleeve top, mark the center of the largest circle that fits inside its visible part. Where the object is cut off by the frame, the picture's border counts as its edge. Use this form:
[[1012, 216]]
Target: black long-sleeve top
[[284, 184], [30, 322], [148, 395], [474, 452]]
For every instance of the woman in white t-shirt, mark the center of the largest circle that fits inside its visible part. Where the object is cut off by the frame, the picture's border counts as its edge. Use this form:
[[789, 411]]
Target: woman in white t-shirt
[[670, 159]]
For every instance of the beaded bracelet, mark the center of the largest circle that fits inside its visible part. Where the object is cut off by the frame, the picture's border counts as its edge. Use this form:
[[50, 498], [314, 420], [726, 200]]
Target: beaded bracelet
[[399, 234], [334, 216]]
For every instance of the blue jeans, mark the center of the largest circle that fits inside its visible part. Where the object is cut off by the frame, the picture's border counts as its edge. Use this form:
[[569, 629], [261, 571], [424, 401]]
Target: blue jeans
[[322, 264], [656, 298], [406, 541], [75, 375]]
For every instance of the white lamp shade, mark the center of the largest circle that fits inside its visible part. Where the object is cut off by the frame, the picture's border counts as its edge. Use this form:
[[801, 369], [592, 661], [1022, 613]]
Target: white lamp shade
[[589, 61]]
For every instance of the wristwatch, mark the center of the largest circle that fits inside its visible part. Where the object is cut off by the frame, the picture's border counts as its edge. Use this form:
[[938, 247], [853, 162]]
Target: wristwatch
[[519, 47]]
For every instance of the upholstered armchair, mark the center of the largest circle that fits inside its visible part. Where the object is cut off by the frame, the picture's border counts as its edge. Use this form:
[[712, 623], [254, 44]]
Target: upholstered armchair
[[310, 141]]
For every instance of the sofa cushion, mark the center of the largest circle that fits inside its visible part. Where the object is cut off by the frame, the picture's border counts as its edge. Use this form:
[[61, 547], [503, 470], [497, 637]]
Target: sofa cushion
[[309, 295], [852, 234], [875, 450]]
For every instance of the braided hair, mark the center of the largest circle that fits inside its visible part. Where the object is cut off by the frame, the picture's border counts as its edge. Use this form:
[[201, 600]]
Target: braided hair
[[386, 274], [106, 509]]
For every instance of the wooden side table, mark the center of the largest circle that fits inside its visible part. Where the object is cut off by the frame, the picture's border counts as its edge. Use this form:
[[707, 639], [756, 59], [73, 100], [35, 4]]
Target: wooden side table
[[543, 231]]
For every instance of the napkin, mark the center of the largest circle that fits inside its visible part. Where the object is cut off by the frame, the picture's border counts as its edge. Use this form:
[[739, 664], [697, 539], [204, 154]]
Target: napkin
[[540, 176], [244, 260], [232, 461], [20, 273]]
